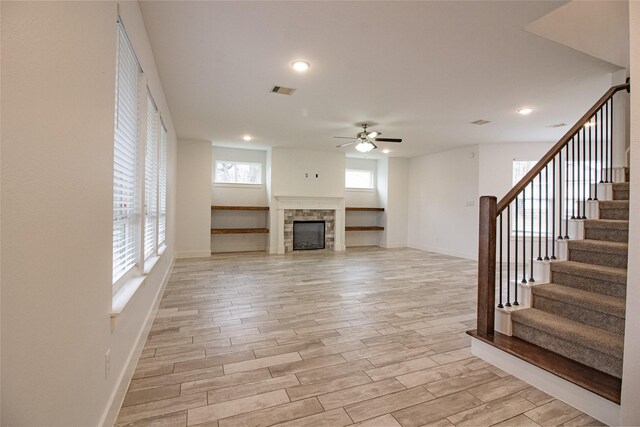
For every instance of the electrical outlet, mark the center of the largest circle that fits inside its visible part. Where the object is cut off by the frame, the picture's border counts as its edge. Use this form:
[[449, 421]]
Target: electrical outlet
[[107, 363]]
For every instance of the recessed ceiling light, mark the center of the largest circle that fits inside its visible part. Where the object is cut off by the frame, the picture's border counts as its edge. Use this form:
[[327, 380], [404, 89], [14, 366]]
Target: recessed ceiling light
[[300, 65], [386, 151], [525, 110], [247, 137]]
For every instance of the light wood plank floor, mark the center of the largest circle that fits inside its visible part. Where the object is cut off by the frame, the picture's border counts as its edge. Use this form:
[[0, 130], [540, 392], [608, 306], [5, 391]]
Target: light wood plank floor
[[370, 337]]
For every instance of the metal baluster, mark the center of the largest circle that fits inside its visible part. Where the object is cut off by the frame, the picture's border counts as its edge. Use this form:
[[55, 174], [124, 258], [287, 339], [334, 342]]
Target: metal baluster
[[501, 266], [584, 172], [566, 195], [595, 124], [611, 145], [532, 236], [573, 176], [553, 208], [595, 163], [603, 151], [559, 182], [508, 304], [524, 236], [539, 218], [546, 211], [576, 166]]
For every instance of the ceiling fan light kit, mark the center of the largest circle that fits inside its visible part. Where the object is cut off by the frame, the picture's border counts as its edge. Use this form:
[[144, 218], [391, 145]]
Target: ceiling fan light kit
[[364, 140], [365, 146]]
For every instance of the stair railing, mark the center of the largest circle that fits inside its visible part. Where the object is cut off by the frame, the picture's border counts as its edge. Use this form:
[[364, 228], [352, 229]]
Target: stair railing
[[524, 225]]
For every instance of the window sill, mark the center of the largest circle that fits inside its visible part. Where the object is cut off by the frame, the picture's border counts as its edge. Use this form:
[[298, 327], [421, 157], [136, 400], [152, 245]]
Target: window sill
[[236, 185], [150, 263], [124, 295], [361, 190]]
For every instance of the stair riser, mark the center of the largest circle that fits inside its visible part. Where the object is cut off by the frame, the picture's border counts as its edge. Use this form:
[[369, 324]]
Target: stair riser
[[597, 360], [606, 235], [590, 284], [614, 214], [580, 314], [620, 194], [598, 258]]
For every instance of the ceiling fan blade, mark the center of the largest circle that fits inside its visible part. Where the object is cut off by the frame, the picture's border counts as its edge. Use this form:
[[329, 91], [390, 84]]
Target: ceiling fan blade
[[388, 139], [344, 137], [345, 144]]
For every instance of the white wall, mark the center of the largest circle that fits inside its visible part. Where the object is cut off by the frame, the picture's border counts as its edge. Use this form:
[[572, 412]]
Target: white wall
[[630, 410], [397, 209], [443, 208], [194, 199], [57, 181], [496, 165], [293, 173], [239, 195]]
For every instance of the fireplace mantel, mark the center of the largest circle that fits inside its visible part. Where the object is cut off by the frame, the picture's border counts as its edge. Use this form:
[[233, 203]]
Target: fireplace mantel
[[280, 203]]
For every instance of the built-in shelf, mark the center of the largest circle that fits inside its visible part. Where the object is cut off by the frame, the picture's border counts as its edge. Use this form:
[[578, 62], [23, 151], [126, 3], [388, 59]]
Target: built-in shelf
[[239, 230], [239, 208], [364, 209], [364, 228]]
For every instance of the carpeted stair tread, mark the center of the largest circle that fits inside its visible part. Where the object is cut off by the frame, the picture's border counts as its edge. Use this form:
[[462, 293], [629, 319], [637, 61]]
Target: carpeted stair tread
[[600, 246], [571, 331], [612, 230], [607, 224], [614, 209], [600, 272], [585, 299], [590, 277]]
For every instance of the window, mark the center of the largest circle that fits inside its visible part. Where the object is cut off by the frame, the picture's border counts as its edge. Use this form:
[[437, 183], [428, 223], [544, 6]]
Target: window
[[151, 180], [359, 178], [533, 209], [162, 218], [139, 171], [228, 172], [126, 194]]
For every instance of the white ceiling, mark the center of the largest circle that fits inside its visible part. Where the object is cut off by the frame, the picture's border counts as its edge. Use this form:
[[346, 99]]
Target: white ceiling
[[420, 71]]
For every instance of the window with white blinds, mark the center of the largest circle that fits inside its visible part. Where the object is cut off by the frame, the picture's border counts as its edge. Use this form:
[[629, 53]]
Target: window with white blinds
[[151, 180], [162, 187], [126, 197]]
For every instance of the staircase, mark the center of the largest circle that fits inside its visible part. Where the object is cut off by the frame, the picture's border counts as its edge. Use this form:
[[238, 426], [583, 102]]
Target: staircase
[[580, 314], [552, 265]]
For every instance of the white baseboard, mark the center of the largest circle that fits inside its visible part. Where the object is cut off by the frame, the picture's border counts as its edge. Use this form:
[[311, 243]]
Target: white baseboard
[[193, 254], [110, 414], [393, 245], [589, 403]]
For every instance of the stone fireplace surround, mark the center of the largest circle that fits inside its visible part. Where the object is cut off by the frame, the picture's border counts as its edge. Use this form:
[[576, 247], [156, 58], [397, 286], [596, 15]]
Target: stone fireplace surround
[[286, 209]]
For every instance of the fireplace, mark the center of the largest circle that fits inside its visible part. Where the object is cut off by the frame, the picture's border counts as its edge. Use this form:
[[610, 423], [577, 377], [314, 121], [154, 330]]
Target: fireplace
[[308, 235]]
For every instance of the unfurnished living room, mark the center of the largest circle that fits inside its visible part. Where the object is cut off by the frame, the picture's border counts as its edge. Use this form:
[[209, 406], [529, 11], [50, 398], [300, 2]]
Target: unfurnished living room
[[314, 213]]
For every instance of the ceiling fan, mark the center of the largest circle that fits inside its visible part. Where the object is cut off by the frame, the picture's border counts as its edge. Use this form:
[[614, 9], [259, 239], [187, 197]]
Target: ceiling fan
[[365, 139]]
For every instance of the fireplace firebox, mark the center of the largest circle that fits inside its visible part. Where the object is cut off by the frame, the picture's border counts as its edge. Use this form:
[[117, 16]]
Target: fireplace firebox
[[308, 235]]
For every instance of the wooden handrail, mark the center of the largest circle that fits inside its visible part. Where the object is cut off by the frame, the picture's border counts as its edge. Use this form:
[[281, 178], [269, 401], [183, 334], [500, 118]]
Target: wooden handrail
[[528, 178]]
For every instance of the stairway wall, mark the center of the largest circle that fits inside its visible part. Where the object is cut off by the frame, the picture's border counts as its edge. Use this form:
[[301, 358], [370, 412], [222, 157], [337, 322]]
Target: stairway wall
[[629, 409]]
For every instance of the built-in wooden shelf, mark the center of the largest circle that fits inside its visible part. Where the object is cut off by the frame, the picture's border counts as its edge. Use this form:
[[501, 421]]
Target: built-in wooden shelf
[[364, 209], [584, 376], [364, 228], [239, 230], [239, 208]]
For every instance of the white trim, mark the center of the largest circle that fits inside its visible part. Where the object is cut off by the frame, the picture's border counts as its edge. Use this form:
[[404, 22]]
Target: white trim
[[596, 406], [150, 263], [124, 295], [193, 254], [122, 384], [236, 185]]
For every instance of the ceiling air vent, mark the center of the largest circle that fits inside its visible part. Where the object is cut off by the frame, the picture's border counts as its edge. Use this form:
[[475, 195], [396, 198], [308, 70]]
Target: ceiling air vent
[[283, 90], [559, 125], [480, 122]]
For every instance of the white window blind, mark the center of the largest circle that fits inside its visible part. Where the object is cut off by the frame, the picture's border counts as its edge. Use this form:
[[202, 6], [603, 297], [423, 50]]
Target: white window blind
[[162, 218], [151, 179], [125, 168]]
